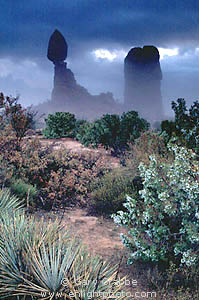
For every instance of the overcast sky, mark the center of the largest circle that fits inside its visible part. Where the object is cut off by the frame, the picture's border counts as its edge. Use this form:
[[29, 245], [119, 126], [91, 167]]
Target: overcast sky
[[99, 34]]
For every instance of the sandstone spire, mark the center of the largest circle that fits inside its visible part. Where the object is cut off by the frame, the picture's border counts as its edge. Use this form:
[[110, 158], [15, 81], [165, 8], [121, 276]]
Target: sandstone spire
[[143, 77], [67, 94]]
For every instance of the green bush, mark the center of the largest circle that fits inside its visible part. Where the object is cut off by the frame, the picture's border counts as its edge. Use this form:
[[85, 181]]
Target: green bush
[[83, 133], [163, 223], [93, 134], [169, 128], [108, 193], [61, 124], [185, 127], [24, 191], [132, 126], [113, 132], [79, 128]]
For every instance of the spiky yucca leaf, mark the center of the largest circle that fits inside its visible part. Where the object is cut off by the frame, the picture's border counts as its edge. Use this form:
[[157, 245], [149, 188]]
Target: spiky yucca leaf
[[72, 273], [94, 278], [25, 230], [19, 235], [64, 268], [9, 203], [49, 265], [39, 257]]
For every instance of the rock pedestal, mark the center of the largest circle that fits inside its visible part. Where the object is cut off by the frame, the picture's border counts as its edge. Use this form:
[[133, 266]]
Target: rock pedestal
[[64, 79], [143, 77], [67, 94], [64, 82]]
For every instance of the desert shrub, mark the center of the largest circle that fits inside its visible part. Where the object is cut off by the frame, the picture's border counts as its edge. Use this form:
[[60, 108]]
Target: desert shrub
[[185, 126], [15, 115], [163, 223], [174, 282], [132, 126], [72, 176], [113, 132], [61, 124], [9, 154], [24, 191], [108, 193], [78, 131], [60, 176], [34, 118], [149, 143]]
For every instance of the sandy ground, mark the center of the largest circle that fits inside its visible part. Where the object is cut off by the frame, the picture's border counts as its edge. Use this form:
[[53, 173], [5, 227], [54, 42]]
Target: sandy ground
[[100, 235]]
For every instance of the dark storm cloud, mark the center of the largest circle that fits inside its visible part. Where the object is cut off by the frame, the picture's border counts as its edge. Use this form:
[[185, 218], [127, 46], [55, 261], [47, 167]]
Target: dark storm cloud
[[26, 25]]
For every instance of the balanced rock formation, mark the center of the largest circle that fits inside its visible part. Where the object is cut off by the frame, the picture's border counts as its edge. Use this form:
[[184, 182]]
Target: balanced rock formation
[[57, 47], [143, 77], [64, 79], [67, 94]]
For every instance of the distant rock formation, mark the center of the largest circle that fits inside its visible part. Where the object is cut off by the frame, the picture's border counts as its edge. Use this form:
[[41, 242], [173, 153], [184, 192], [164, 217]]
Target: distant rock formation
[[67, 95], [57, 47], [143, 77], [142, 86]]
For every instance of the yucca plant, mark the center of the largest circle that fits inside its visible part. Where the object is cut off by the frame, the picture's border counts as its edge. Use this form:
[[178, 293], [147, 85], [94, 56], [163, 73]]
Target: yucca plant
[[59, 270], [9, 203], [95, 279], [48, 266], [39, 260], [51, 267], [19, 236]]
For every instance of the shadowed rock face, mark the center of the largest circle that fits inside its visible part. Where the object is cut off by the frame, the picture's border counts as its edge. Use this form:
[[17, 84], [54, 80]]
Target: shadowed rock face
[[67, 94], [143, 77], [64, 79], [57, 47]]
